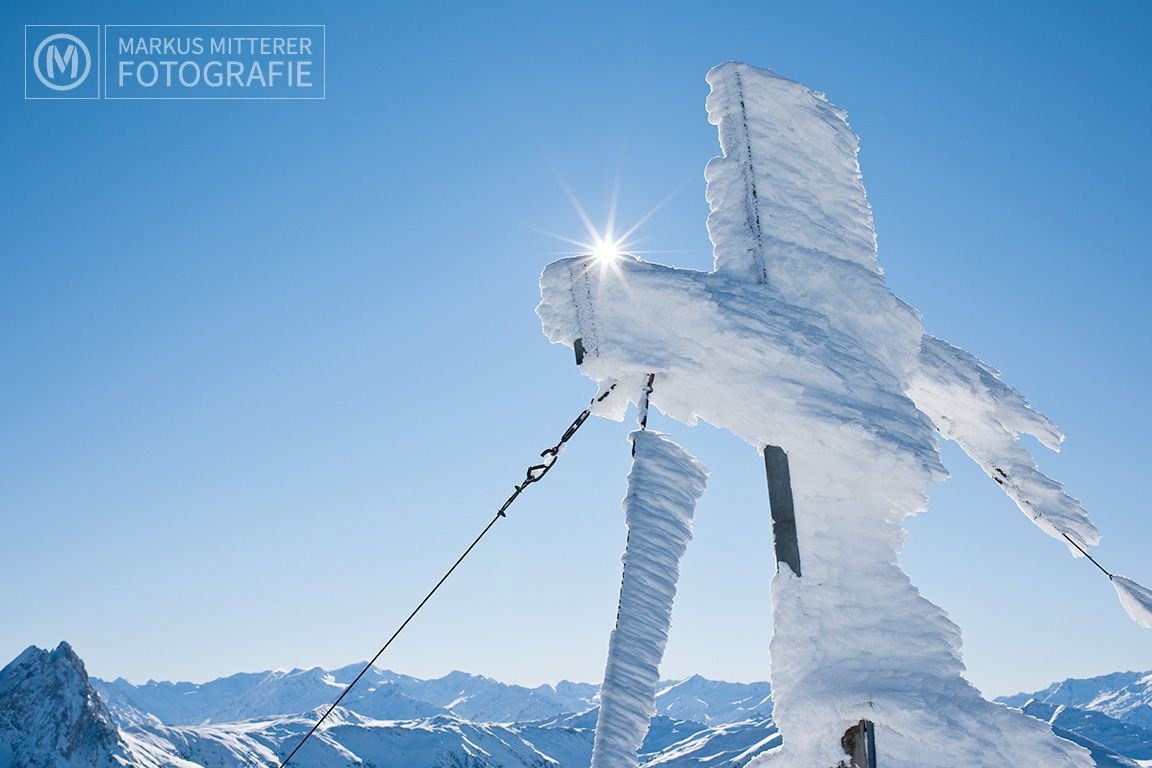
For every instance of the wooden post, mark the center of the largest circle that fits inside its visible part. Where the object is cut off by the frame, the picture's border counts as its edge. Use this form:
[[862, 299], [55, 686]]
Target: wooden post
[[783, 510]]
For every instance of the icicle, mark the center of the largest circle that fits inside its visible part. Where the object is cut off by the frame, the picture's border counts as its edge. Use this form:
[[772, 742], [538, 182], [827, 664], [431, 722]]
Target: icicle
[[1137, 600], [663, 487]]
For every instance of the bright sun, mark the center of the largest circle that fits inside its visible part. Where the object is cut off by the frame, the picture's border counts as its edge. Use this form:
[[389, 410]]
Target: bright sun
[[605, 249]]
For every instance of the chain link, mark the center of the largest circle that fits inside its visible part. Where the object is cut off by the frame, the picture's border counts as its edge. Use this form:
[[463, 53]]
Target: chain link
[[537, 471]]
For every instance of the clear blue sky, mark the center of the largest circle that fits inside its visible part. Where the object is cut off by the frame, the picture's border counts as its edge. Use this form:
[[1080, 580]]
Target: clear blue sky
[[268, 366]]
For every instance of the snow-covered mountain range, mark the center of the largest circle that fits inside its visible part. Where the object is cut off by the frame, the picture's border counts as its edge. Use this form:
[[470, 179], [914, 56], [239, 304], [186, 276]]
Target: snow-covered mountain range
[[52, 715], [1111, 710], [1125, 696]]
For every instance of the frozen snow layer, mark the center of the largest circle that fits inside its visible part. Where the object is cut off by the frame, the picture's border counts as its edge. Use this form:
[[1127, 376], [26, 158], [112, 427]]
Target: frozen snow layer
[[892, 659], [663, 487], [788, 208], [735, 354], [787, 192]]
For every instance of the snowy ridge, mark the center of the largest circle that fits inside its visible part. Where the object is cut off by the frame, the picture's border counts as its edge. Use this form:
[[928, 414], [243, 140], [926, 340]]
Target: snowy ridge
[[1124, 696], [713, 701], [482, 699], [381, 694], [709, 702], [440, 741], [1124, 739], [663, 488], [729, 745]]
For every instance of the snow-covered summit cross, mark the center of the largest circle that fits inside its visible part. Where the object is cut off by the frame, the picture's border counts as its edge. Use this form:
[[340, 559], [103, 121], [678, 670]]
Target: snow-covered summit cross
[[795, 341]]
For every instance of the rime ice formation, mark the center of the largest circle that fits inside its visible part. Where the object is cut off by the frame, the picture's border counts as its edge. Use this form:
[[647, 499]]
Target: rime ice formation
[[1136, 599], [968, 403], [794, 340], [663, 487]]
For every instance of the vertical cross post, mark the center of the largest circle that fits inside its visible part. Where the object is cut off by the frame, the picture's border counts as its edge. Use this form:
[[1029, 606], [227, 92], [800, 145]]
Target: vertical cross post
[[859, 741], [783, 510]]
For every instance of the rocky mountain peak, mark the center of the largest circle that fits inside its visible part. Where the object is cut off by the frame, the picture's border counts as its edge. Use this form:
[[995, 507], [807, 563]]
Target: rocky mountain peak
[[50, 716]]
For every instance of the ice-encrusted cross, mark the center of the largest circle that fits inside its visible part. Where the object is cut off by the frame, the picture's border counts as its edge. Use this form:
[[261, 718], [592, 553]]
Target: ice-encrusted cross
[[794, 340]]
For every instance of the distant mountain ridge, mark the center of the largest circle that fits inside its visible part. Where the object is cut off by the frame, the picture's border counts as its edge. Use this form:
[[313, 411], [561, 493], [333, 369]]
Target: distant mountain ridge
[[1081, 725], [381, 694], [1125, 696], [53, 716], [714, 702], [386, 695]]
